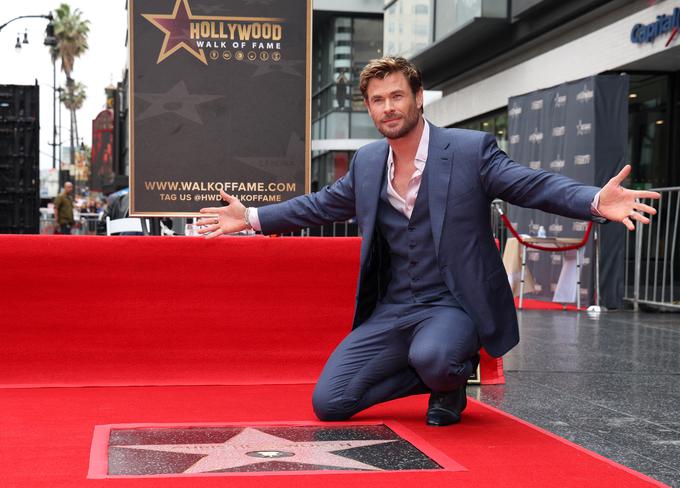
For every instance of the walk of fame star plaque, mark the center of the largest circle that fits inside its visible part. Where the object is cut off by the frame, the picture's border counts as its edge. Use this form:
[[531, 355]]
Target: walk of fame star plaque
[[219, 100], [121, 451]]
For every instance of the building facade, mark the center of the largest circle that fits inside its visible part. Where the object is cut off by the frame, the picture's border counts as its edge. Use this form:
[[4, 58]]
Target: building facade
[[480, 53], [346, 37]]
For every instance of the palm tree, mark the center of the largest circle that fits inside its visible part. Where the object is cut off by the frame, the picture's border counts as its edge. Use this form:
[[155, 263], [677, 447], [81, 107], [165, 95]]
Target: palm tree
[[73, 98], [71, 33]]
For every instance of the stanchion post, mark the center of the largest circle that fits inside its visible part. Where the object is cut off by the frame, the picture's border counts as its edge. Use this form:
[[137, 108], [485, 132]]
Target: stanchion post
[[638, 263], [578, 279], [521, 276], [597, 265]]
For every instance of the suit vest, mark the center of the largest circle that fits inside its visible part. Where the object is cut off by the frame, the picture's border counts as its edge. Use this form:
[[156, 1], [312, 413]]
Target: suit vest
[[413, 271]]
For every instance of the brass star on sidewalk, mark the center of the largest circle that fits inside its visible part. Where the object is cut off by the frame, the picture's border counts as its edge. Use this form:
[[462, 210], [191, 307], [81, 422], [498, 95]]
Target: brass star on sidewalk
[[177, 31], [252, 446]]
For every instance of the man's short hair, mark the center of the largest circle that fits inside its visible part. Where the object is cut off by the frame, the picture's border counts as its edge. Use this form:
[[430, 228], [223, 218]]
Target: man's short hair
[[380, 68]]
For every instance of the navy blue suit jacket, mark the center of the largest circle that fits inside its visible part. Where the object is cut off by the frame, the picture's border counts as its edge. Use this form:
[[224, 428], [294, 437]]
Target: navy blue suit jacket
[[466, 171]]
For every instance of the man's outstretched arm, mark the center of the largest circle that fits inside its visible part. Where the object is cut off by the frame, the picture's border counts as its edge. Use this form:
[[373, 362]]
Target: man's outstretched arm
[[503, 178], [330, 204]]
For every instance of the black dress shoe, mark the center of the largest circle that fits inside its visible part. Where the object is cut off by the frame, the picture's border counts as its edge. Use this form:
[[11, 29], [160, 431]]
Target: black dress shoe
[[445, 408]]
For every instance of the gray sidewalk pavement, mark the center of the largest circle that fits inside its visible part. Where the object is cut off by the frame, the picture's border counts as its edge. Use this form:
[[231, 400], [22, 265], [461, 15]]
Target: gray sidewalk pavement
[[610, 384]]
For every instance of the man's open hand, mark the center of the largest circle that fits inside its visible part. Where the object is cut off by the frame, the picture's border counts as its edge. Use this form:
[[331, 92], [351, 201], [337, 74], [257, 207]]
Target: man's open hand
[[620, 204], [222, 220]]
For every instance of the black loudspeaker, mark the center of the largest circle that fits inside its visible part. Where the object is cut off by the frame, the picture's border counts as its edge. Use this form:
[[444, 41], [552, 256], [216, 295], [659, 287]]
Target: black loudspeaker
[[19, 159]]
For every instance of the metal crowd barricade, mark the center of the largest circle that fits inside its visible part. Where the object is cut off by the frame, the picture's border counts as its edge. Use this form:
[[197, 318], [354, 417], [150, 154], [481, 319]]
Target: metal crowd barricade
[[656, 273], [88, 223], [336, 229], [47, 223]]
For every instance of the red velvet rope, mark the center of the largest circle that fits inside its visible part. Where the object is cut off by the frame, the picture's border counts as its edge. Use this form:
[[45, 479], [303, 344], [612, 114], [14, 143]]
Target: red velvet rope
[[571, 247]]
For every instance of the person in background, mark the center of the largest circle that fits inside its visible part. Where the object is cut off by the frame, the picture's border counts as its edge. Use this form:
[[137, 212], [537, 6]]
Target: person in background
[[63, 209]]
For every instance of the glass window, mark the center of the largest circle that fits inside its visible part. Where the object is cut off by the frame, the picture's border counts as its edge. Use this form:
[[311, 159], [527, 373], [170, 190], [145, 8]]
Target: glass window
[[343, 47], [420, 29], [323, 170], [324, 50], [340, 164], [501, 130], [417, 16], [453, 14], [648, 130], [495, 123], [314, 174], [363, 127], [367, 40], [328, 167], [327, 173], [367, 44], [324, 101], [337, 125]]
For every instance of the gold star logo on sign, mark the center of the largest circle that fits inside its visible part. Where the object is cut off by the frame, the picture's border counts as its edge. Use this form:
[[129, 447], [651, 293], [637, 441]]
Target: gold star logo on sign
[[176, 27], [183, 30]]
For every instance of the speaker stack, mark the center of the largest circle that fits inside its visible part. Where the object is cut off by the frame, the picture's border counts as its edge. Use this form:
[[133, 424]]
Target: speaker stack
[[19, 159]]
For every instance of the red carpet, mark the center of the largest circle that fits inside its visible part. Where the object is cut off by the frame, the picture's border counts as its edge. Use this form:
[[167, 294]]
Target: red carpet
[[533, 304], [256, 318], [81, 311], [47, 434], [183, 311]]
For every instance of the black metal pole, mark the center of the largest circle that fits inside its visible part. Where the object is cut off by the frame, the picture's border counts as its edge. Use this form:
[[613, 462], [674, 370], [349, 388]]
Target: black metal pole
[[155, 223], [49, 17], [54, 114], [60, 127]]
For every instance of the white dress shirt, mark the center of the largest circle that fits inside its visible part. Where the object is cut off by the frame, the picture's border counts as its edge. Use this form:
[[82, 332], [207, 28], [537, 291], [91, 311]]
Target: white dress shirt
[[405, 205]]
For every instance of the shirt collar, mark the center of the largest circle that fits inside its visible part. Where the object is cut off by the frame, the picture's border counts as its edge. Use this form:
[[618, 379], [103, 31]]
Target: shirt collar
[[421, 152]]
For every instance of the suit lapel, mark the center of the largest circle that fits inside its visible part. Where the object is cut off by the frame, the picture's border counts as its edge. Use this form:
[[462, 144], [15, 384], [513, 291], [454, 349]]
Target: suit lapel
[[439, 164], [370, 181]]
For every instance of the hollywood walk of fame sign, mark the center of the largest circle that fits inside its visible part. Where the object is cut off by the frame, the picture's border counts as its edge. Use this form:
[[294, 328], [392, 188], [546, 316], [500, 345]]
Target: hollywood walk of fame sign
[[219, 100], [208, 450]]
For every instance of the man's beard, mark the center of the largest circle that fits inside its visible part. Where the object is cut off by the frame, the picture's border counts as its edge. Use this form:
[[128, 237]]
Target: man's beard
[[410, 121]]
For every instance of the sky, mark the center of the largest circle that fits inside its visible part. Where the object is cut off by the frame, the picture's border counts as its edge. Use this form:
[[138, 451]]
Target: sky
[[103, 64]]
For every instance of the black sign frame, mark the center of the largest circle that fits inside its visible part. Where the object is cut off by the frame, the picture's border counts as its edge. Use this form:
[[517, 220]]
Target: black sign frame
[[259, 153]]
